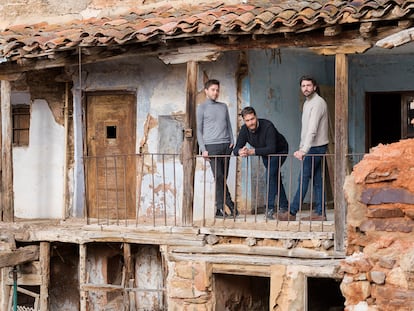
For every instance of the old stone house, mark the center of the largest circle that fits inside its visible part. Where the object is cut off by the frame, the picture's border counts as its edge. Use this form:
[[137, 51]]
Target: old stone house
[[105, 203]]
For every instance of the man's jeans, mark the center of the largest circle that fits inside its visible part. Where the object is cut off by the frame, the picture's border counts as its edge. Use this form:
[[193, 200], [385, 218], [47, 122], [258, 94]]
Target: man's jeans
[[275, 182], [311, 170], [220, 167]]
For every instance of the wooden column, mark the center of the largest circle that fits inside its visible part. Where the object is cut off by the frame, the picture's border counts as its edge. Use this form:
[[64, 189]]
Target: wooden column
[[82, 277], [7, 210], [341, 147], [45, 275], [129, 296], [189, 143], [4, 289]]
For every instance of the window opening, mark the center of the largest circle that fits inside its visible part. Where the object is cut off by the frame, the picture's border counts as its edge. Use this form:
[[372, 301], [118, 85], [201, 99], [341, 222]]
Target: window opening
[[241, 292], [111, 132], [324, 294], [21, 124]]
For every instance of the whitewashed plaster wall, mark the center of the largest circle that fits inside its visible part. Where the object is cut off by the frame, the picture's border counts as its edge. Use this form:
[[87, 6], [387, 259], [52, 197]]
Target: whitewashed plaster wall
[[38, 168]]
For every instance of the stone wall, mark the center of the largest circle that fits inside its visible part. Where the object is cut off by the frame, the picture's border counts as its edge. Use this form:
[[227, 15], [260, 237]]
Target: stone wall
[[379, 267]]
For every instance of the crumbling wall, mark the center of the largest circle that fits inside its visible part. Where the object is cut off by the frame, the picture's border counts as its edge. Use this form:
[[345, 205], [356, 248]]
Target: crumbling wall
[[379, 267]]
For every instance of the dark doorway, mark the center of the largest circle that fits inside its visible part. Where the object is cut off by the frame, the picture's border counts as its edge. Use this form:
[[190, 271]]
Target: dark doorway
[[241, 293], [324, 294], [384, 118]]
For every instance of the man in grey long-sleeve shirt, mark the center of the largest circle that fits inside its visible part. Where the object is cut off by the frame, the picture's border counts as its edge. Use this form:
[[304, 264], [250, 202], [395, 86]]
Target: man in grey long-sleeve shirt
[[215, 138]]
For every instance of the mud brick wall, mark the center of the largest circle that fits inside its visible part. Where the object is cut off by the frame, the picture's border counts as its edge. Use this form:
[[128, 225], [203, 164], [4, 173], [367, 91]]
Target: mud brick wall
[[379, 266]]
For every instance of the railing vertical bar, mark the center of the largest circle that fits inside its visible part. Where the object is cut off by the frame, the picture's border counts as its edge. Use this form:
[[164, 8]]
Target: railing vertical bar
[[204, 190], [257, 192], [300, 192], [247, 188], [153, 189], [106, 189], [97, 188], [323, 189], [175, 192], [269, 157], [116, 191], [142, 156], [163, 184], [279, 182], [312, 181], [224, 159], [125, 158]]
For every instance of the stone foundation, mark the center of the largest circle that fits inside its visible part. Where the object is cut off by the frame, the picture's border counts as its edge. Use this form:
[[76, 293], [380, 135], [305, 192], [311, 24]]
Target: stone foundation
[[379, 268]]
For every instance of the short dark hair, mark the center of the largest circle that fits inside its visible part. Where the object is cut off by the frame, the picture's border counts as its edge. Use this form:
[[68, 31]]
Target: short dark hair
[[247, 110], [210, 83], [308, 78], [311, 79]]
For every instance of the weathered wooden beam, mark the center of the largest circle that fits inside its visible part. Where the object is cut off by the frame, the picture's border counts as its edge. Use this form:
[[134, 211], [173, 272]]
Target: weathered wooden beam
[[332, 31], [341, 49], [367, 29], [82, 278], [240, 249], [189, 144], [276, 38], [251, 259], [129, 275], [396, 39], [196, 53], [341, 147], [6, 153], [19, 256], [45, 275]]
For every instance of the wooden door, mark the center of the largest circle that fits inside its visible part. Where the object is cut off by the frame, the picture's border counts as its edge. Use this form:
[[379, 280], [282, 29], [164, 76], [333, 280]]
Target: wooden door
[[110, 165]]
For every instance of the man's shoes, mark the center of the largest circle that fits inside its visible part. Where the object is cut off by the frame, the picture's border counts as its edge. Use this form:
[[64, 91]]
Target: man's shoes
[[220, 213], [233, 210], [269, 214], [285, 216], [314, 216]]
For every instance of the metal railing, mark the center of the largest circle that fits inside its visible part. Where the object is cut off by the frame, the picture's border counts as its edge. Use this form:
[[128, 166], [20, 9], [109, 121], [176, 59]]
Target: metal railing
[[147, 190]]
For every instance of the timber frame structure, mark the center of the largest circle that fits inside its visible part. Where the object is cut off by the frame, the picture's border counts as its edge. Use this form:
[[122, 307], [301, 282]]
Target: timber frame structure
[[191, 35]]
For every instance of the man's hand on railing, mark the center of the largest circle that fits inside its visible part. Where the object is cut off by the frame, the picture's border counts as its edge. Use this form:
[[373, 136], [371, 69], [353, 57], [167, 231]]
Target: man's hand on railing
[[205, 155], [299, 155], [245, 152]]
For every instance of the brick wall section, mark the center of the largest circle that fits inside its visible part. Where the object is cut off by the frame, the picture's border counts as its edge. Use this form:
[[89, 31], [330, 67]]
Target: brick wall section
[[379, 267]]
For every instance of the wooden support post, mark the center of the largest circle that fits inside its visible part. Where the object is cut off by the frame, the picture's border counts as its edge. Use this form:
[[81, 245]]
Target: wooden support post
[[6, 208], [129, 275], [4, 289], [189, 143], [82, 277], [341, 147], [45, 275]]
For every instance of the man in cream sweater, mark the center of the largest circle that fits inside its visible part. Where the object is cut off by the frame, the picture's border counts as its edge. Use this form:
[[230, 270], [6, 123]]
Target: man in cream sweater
[[313, 145]]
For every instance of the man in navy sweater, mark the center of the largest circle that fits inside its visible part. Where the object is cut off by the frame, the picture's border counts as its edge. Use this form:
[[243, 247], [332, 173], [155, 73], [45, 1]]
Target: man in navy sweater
[[272, 146]]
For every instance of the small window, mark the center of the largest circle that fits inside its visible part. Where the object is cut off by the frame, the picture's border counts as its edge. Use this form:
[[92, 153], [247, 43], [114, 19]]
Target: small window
[[111, 132], [21, 124]]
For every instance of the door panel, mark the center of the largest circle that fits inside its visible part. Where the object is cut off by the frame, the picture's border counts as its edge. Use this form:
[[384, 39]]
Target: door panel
[[110, 166]]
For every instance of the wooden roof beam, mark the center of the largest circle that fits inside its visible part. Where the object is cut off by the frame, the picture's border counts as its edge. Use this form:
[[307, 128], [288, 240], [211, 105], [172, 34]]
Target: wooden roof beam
[[332, 31], [367, 29]]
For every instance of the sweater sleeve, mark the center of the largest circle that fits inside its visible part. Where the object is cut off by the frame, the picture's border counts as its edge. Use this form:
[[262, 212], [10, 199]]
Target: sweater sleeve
[[199, 114], [229, 129], [241, 140]]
